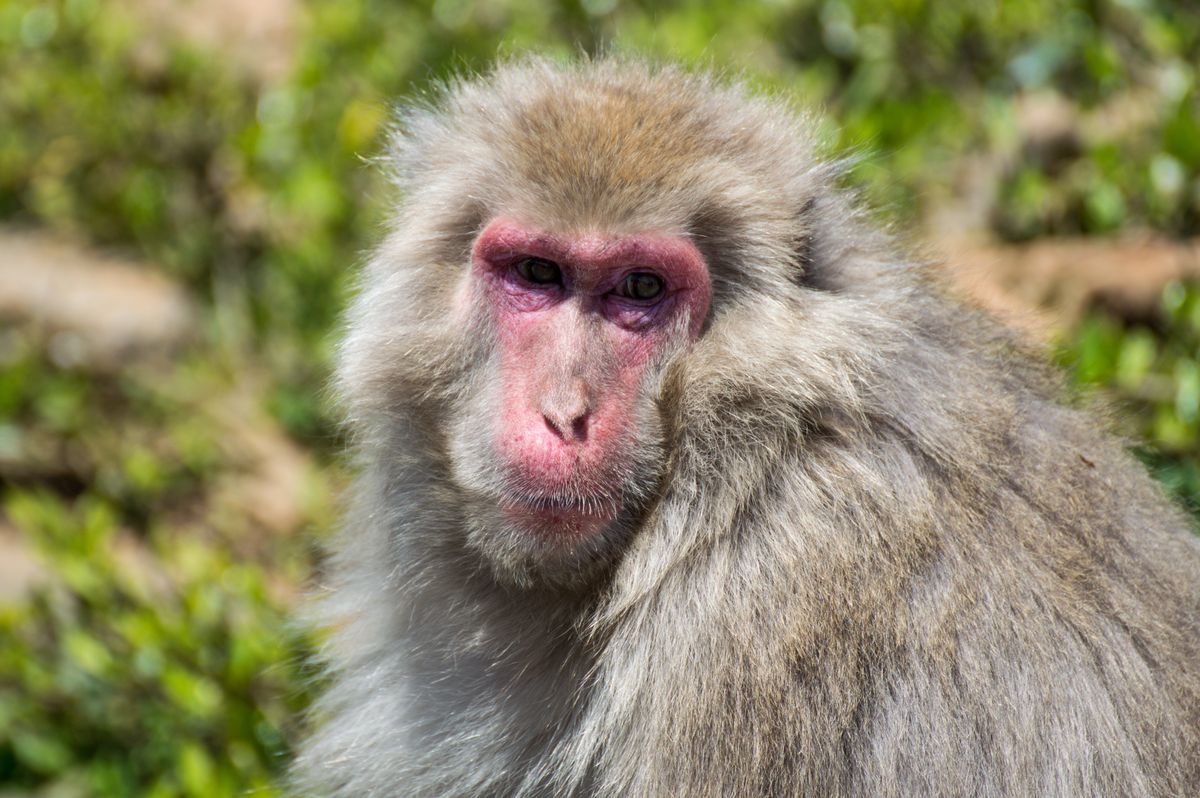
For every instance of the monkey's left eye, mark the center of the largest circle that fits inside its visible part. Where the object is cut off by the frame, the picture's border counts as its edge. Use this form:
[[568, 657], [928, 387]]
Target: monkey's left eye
[[640, 285], [539, 271]]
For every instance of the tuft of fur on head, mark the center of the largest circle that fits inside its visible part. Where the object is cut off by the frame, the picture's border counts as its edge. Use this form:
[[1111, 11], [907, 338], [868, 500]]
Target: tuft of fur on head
[[846, 477]]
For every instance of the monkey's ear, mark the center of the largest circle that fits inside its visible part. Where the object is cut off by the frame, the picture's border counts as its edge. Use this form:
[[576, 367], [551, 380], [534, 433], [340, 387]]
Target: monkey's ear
[[825, 215], [804, 261]]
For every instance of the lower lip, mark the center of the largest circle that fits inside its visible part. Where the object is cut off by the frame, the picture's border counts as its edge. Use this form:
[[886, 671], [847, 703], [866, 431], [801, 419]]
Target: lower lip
[[570, 515]]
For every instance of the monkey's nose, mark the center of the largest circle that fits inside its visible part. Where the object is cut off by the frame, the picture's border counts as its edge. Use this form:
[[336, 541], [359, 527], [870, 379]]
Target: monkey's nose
[[569, 427]]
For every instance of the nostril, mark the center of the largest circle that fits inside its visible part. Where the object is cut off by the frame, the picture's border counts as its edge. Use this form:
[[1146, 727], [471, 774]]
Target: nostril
[[568, 429]]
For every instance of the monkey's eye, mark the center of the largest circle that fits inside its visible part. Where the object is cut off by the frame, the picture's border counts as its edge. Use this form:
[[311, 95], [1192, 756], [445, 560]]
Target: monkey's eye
[[640, 285], [539, 271]]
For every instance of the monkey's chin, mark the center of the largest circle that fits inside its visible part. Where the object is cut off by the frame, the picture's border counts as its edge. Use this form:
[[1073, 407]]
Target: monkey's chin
[[562, 544]]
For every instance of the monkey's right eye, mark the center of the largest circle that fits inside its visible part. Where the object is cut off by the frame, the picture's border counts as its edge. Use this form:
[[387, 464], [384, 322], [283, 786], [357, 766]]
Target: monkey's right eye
[[539, 271]]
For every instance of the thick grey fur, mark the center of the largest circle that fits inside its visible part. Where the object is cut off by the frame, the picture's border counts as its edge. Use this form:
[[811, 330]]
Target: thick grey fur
[[869, 550]]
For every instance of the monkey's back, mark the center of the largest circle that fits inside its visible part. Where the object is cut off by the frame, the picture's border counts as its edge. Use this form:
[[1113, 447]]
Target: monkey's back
[[1037, 632]]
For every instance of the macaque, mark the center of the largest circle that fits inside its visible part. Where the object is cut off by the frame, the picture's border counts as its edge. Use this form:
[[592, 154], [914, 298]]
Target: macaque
[[680, 479]]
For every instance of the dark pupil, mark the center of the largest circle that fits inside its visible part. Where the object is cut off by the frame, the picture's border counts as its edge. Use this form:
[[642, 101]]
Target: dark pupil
[[643, 286], [537, 270]]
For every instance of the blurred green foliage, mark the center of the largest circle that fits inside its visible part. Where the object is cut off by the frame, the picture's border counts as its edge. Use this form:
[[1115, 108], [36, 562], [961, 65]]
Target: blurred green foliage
[[1154, 372], [156, 659], [164, 679]]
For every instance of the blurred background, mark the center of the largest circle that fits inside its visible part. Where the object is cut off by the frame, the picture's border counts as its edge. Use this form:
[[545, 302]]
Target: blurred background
[[185, 192]]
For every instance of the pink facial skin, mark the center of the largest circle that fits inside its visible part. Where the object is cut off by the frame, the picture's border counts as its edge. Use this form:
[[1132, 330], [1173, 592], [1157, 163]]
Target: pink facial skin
[[573, 356]]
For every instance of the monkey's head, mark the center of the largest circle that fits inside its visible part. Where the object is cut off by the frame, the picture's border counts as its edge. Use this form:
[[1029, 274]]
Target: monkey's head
[[567, 240]]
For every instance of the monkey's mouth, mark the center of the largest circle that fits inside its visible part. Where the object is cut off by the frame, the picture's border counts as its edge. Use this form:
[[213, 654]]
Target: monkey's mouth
[[574, 511]]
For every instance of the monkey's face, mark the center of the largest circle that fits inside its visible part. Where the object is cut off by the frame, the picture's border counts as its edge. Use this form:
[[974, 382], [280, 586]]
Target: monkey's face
[[570, 451], [525, 336]]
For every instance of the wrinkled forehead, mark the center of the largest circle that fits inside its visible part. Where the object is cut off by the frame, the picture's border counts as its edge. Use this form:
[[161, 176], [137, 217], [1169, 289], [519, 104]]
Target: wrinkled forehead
[[608, 157]]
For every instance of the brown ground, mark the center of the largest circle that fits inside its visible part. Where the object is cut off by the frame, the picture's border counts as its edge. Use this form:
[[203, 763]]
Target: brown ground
[[20, 569], [90, 308], [1044, 287]]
